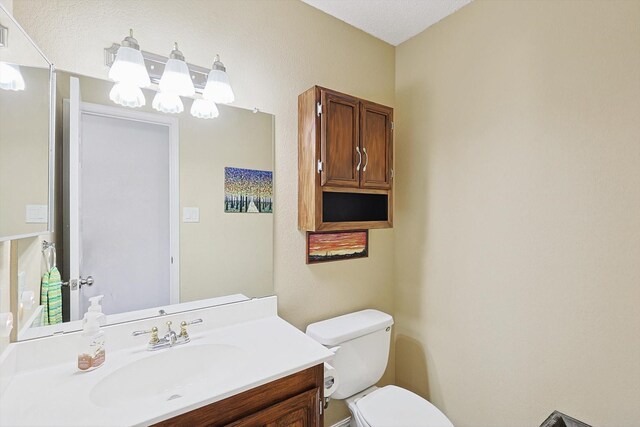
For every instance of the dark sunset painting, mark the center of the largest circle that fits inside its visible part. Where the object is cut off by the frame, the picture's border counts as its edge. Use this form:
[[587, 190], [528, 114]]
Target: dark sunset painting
[[324, 247]]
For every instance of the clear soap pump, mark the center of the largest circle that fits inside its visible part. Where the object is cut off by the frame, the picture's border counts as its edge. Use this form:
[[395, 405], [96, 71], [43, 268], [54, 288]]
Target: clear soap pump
[[96, 307], [91, 354]]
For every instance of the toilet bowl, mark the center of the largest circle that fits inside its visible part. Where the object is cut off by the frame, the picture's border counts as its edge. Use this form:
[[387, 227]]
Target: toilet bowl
[[361, 343], [393, 406]]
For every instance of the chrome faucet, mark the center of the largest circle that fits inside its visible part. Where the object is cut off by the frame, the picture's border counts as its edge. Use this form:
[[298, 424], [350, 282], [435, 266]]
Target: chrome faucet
[[170, 339]]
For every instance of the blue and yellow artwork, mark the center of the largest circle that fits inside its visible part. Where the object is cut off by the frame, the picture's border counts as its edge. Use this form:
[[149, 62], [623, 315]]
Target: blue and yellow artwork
[[248, 190]]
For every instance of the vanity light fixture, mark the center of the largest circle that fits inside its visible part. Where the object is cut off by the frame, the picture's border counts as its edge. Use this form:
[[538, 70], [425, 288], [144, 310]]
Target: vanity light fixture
[[174, 83], [127, 95], [171, 75], [218, 88], [11, 77], [204, 109], [176, 78], [167, 103], [130, 74]]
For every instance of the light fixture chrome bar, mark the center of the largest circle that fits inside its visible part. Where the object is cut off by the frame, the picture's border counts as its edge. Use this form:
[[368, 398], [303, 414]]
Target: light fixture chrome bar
[[4, 36], [155, 66]]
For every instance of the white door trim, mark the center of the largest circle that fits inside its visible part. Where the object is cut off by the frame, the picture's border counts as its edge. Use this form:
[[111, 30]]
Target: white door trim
[[72, 142], [174, 178]]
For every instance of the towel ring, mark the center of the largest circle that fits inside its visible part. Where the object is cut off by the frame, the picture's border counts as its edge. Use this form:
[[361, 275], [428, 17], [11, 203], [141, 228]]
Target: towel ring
[[49, 252]]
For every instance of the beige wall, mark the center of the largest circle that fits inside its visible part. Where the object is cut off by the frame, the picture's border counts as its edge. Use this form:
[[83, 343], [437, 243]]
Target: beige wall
[[518, 225], [273, 50], [225, 253], [8, 4], [24, 152]]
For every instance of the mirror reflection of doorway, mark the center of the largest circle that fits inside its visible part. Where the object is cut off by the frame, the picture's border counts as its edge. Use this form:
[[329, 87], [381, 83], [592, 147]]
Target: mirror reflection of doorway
[[122, 199]]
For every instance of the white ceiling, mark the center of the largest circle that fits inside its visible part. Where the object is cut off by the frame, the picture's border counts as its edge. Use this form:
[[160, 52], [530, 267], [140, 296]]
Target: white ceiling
[[393, 21]]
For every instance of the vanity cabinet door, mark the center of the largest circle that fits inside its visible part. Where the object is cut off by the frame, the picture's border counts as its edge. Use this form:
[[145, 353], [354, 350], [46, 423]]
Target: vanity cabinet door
[[340, 140], [376, 139], [298, 411]]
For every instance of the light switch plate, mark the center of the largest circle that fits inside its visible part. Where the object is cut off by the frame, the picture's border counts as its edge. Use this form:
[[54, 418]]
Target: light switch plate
[[36, 214], [191, 215]]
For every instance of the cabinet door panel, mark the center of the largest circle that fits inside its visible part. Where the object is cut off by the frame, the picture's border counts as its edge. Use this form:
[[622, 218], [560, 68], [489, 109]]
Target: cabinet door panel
[[376, 145], [299, 411], [339, 140]]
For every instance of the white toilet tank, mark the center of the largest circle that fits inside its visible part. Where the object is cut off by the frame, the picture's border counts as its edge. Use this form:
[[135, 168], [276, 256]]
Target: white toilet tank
[[363, 339]]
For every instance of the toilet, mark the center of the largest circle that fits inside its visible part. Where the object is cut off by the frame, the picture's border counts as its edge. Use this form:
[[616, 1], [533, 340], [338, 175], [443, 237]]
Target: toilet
[[361, 343]]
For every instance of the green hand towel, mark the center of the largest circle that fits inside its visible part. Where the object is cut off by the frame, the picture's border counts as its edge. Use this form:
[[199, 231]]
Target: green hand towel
[[51, 297], [44, 298]]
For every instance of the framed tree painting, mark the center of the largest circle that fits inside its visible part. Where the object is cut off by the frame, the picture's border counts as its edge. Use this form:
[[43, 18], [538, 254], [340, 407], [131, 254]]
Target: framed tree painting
[[248, 191]]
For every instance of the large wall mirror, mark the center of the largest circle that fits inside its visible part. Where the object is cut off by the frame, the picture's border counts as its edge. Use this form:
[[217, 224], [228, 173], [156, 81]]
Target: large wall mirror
[[26, 82], [155, 213]]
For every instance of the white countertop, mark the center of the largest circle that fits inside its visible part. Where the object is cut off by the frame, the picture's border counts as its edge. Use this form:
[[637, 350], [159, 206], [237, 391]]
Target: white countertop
[[59, 395]]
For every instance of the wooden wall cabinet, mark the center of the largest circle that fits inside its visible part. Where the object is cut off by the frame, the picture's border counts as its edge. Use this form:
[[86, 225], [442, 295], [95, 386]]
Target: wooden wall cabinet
[[345, 162], [292, 401]]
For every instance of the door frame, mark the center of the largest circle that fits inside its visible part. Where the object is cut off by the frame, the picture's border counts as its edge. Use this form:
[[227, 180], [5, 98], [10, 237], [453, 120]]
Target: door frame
[[172, 123]]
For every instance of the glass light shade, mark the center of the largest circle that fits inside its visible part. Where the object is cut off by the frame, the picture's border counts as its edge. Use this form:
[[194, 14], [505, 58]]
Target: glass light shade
[[167, 103], [11, 77], [127, 95], [129, 67], [176, 79], [218, 88], [204, 109]]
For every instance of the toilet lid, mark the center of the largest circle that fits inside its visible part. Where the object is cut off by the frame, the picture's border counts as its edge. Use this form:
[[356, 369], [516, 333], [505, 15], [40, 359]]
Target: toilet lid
[[393, 406]]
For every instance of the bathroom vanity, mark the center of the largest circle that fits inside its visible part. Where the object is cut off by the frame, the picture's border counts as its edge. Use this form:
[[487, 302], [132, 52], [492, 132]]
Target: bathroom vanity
[[292, 400], [243, 366]]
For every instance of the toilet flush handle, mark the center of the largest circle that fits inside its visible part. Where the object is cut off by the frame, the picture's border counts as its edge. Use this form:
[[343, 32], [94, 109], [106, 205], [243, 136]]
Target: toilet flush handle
[[335, 349]]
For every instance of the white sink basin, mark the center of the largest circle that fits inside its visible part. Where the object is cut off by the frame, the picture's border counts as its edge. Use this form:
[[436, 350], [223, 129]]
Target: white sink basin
[[168, 375]]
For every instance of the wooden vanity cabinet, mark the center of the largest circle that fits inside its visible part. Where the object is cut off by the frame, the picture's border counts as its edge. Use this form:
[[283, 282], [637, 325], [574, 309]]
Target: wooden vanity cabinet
[[345, 162], [295, 400]]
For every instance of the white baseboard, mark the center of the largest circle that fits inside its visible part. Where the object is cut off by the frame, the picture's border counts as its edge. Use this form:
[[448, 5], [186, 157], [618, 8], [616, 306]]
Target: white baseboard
[[343, 423]]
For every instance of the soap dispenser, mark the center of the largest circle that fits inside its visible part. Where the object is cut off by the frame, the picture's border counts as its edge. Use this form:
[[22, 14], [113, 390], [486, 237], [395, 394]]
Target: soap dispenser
[[91, 354], [96, 307]]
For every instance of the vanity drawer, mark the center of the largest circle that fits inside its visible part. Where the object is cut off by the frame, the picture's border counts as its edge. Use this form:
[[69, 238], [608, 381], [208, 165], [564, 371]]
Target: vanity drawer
[[292, 400]]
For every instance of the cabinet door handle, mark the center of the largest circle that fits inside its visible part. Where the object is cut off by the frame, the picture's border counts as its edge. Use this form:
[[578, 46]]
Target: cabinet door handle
[[366, 159], [359, 159]]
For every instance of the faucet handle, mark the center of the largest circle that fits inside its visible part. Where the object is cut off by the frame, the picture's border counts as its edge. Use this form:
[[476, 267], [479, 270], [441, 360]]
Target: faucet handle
[[154, 334], [183, 327]]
